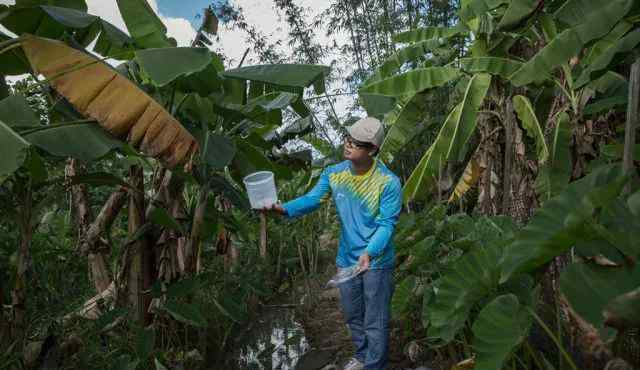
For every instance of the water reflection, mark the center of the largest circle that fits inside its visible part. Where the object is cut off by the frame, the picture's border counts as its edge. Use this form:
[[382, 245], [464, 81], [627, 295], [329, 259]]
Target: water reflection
[[275, 343]]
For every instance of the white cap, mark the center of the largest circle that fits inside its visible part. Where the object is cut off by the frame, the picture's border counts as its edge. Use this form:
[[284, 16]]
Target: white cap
[[368, 130]]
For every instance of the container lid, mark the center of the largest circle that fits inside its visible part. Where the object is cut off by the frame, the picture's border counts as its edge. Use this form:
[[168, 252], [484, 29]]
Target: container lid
[[257, 178]]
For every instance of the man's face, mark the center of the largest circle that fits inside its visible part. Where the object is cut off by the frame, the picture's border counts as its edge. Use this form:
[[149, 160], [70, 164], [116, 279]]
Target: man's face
[[355, 150]]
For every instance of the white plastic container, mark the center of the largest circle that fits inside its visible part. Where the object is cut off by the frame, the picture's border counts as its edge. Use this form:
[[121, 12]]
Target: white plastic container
[[261, 189]]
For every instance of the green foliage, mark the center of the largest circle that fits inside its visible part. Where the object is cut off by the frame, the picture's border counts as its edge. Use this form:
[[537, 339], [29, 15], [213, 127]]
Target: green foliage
[[452, 138], [16, 112], [568, 43], [86, 141], [589, 287], [412, 82], [13, 151], [561, 221], [143, 24], [500, 326], [164, 65], [554, 176], [527, 116]]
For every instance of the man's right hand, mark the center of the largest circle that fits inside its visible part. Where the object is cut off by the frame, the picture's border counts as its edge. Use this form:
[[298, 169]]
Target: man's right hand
[[275, 208]]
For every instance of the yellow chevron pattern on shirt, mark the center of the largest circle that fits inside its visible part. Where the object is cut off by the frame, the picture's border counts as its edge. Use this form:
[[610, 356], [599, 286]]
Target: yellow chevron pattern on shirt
[[367, 187]]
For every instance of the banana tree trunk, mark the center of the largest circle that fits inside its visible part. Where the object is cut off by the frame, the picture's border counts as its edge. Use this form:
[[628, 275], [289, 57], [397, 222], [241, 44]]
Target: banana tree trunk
[[96, 258], [193, 245], [18, 295], [509, 146], [138, 279]]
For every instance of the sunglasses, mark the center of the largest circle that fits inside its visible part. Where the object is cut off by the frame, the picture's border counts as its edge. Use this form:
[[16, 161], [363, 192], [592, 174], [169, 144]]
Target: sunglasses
[[348, 140]]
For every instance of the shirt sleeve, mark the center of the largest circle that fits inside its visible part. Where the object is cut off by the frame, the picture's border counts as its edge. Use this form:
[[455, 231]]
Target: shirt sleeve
[[390, 207], [310, 201]]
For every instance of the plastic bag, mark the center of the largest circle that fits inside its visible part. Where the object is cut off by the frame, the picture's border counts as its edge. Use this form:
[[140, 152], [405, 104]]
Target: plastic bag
[[344, 275]]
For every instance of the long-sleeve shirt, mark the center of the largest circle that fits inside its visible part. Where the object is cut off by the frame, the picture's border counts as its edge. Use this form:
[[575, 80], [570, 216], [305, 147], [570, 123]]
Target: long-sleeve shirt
[[368, 207]]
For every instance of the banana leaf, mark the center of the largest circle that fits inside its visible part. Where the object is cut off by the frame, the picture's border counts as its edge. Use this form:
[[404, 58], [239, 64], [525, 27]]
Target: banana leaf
[[54, 21], [517, 11], [428, 33], [502, 67], [410, 53], [527, 116], [412, 82], [111, 99], [164, 65], [72, 4], [16, 112], [411, 119], [600, 64], [450, 144], [296, 76], [468, 178], [143, 24], [554, 176], [474, 8], [84, 141], [570, 42], [13, 151]]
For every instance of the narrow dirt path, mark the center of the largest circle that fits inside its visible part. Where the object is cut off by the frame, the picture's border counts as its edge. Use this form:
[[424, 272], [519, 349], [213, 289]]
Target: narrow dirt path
[[328, 335]]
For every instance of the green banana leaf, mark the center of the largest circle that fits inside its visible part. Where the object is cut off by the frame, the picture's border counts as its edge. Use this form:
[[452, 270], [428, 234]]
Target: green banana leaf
[[411, 119], [573, 12], [144, 26], [428, 33], [164, 65], [13, 62], [377, 105], [589, 287], [502, 67], [468, 280], [218, 150], [560, 222], [568, 43], [554, 176], [412, 82], [410, 53], [606, 42], [501, 325], [85, 141], [527, 116], [600, 64], [13, 151], [16, 112], [473, 8], [517, 11], [610, 84], [73, 4], [450, 144], [54, 22], [296, 76]]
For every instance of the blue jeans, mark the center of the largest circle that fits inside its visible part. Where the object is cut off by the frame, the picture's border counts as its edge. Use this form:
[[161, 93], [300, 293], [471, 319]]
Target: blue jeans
[[366, 304]]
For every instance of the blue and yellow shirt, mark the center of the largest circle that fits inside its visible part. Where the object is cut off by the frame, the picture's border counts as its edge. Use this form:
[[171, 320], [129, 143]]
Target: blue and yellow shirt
[[368, 206]]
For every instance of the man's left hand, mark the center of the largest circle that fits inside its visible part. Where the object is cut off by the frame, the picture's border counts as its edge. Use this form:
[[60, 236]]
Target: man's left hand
[[363, 261]]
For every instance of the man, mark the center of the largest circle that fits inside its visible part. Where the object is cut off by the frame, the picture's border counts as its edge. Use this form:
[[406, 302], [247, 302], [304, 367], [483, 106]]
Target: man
[[368, 200]]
